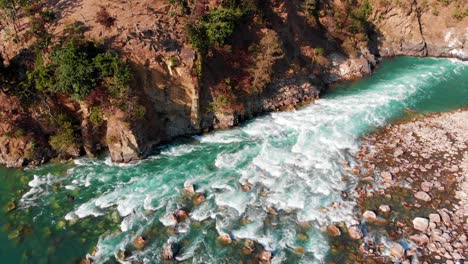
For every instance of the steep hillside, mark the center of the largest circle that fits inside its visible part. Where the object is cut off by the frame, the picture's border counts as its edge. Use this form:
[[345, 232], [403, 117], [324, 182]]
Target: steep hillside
[[195, 65]]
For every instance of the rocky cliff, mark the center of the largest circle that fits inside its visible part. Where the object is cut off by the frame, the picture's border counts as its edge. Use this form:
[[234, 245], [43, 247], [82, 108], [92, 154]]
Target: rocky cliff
[[279, 57]]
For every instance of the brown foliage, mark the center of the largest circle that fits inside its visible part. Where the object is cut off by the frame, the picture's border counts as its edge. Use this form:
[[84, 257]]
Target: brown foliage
[[268, 52]]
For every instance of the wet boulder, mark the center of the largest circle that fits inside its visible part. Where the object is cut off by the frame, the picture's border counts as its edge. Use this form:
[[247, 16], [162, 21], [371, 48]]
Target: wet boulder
[[265, 257], [181, 215], [170, 252], [189, 189], [333, 230], [139, 242], [225, 239], [199, 198]]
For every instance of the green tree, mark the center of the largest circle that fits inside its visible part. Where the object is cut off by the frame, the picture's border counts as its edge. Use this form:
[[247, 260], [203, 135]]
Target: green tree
[[74, 71], [220, 24], [114, 72]]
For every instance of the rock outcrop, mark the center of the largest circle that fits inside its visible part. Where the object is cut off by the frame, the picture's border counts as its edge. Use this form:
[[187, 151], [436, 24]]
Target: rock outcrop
[[420, 28]]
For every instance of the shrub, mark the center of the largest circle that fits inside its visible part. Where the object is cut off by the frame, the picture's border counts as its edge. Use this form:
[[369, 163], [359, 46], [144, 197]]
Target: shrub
[[215, 29], [64, 141], [96, 116], [220, 24], [269, 51], [114, 72], [77, 68], [74, 72]]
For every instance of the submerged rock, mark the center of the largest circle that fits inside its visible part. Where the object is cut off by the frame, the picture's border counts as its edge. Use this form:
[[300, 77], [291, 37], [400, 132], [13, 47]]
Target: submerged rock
[[248, 248], [434, 218], [10, 206]]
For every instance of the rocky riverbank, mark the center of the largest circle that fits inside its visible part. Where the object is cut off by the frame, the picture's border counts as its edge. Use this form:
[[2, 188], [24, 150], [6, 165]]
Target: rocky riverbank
[[412, 194]]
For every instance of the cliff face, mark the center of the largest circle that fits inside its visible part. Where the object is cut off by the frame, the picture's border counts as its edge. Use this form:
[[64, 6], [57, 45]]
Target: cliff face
[[421, 28], [276, 64]]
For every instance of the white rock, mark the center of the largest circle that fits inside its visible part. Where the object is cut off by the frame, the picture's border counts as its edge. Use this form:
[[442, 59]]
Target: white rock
[[397, 250], [434, 218], [420, 239], [369, 216], [426, 186], [423, 196], [355, 232], [420, 223], [384, 208], [387, 176]]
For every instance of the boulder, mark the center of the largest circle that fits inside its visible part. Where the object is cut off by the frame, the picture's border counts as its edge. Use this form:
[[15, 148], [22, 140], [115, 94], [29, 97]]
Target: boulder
[[420, 224], [265, 257], [181, 215], [169, 252], [225, 239], [199, 198], [369, 216], [333, 230], [384, 208], [434, 218], [420, 239], [386, 176], [139, 242], [397, 250], [355, 232], [423, 196], [189, 188], [426, 186]]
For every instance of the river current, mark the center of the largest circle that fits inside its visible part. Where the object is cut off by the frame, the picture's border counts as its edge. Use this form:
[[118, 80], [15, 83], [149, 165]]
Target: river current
[[276, 180]]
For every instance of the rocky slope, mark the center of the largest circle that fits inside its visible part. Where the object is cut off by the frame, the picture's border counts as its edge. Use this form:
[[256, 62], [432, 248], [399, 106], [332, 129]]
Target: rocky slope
[[185, 92]]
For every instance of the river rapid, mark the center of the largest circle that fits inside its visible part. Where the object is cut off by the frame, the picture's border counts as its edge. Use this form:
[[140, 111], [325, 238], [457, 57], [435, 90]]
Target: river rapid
[[276, 180]]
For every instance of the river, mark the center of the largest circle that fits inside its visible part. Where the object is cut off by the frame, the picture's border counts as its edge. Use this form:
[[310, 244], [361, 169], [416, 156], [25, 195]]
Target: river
[[293, 162]]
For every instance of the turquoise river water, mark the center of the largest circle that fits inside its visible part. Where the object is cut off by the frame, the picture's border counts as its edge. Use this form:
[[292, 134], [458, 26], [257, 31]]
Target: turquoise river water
[[293, 160]]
